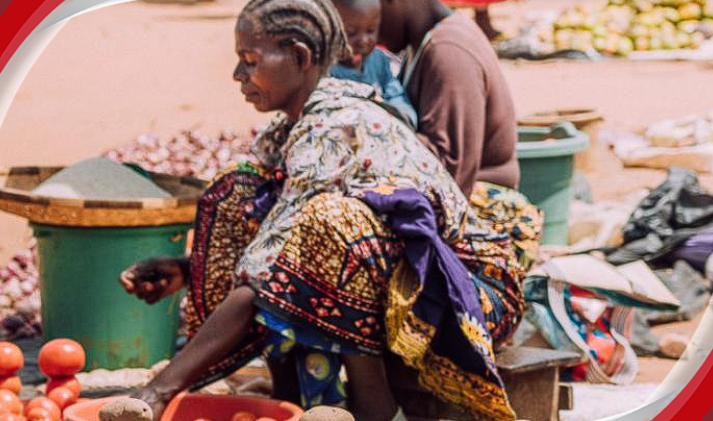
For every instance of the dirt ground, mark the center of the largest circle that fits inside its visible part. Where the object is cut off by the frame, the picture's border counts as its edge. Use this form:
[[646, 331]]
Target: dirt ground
[[135, 68]]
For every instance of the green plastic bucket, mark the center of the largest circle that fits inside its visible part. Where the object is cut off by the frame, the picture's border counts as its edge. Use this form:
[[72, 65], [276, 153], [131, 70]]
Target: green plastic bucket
[[83, 300], [546, 157]]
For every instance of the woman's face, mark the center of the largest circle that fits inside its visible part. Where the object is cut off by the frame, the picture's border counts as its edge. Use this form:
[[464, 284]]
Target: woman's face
[[269, 75]]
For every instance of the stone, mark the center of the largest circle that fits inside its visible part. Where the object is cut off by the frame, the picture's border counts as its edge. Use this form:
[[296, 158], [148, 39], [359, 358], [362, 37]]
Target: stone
[[326, 413], [126, 409], [673, 345]]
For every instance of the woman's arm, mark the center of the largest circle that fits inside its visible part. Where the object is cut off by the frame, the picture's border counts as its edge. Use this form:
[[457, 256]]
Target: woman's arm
[[394, 92], [222, 332]]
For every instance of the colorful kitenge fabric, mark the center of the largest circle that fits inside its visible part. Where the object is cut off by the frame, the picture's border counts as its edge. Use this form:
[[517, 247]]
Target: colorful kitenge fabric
[[318, 363], [598, 334], [331, 269], [584, 321]]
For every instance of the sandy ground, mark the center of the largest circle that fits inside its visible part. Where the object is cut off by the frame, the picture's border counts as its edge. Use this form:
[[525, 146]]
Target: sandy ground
[[136, 68]]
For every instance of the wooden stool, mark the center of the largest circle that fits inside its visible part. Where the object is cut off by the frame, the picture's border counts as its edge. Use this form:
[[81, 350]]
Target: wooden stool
[[531, 377]]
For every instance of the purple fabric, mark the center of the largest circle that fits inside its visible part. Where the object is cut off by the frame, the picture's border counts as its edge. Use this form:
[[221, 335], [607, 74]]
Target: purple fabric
[[265, 198], [696, 249], [448, 290], [411, 217]]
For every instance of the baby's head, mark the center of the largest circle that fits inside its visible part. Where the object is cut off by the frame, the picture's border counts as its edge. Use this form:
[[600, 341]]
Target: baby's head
[[361, 21]]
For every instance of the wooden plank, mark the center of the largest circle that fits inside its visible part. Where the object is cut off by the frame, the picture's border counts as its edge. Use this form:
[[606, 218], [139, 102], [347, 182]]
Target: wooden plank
[[566, 397], [534, 395], [523, 359]]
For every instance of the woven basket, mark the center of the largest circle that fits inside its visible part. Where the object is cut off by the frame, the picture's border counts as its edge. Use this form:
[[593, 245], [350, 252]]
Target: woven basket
[[578, 117], [17, 183], [586, 120]]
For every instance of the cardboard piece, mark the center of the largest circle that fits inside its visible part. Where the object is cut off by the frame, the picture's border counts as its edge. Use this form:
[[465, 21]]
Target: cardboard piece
[[634, 280]]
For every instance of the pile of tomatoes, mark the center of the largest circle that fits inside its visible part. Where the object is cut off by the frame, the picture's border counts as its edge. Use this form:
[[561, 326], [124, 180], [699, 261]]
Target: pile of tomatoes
[[59, 360]]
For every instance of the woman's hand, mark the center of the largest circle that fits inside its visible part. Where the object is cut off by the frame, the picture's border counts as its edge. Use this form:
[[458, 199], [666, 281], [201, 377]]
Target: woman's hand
[[156, 278], [154, 399]]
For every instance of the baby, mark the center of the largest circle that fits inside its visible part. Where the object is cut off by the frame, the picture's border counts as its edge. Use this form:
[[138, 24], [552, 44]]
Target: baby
[[368, 64]]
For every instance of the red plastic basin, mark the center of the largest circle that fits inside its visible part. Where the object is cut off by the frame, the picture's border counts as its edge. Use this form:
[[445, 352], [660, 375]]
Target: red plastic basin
[[188, 407]]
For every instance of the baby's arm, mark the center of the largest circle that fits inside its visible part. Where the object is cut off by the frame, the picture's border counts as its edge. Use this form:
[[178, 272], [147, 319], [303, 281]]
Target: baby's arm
[[393, 92]]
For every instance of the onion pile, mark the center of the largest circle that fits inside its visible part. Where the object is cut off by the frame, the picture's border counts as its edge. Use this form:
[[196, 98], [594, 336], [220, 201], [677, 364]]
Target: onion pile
[[186, 154], [20, 295]]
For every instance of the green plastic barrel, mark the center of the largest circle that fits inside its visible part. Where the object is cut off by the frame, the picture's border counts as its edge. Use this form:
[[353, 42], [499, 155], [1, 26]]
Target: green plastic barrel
[[546, 157], [82, 298]]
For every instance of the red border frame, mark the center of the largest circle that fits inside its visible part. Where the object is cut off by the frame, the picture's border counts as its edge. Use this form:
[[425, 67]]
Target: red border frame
[[22, 16], [18, 21]]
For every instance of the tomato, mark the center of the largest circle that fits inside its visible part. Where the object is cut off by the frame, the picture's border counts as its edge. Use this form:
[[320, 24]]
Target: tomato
[[10, 402], [265, 419], [13, 384], [61, 358], [39, 414], [45, 403], [70, 383], [198, 419], [6, 408], [8, 416], [62, 396], [243, 416], [11, 359]]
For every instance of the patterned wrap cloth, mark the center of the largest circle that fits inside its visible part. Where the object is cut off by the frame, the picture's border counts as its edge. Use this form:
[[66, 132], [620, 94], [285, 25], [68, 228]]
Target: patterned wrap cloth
[[357, 241]]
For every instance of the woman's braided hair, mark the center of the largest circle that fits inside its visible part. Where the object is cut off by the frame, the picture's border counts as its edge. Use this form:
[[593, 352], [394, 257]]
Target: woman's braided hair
[[316, 23]]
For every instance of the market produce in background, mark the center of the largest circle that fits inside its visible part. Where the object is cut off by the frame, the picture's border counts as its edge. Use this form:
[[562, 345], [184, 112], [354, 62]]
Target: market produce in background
[[20, 295], [690, 130], [619, 27]]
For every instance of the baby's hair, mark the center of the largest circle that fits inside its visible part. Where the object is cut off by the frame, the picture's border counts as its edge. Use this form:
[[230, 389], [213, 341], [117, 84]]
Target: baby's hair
[[316, 23]]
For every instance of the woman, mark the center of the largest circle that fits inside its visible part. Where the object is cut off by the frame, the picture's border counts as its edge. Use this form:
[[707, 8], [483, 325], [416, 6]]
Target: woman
[[466, 113], [340, 238]]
